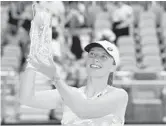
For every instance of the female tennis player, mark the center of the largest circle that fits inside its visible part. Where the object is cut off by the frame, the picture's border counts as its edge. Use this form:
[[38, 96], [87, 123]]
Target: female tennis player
[[96, 104]]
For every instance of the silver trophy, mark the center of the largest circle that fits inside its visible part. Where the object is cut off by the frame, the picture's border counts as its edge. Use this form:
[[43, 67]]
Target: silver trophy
[[41, 33]]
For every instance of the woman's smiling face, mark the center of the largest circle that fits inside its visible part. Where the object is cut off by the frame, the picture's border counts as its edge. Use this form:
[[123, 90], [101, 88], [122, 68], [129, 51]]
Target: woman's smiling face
[[99, 62]]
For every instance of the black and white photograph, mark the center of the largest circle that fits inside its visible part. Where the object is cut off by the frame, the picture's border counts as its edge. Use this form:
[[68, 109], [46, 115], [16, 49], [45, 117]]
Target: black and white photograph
[[83, 63]]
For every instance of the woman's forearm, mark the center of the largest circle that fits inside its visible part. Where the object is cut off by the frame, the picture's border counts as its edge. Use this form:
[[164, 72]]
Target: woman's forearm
[[65, 91], [71, 97], [27, 87]]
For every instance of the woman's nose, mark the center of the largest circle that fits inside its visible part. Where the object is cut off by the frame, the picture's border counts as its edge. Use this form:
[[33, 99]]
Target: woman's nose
[[96, 60]]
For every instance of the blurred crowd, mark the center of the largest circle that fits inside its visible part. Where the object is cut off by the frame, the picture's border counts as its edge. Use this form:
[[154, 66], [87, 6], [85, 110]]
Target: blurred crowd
[[98, 20]]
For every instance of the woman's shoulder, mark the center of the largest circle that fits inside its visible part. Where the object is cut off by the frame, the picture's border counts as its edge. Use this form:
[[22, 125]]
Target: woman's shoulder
[[119, 91]]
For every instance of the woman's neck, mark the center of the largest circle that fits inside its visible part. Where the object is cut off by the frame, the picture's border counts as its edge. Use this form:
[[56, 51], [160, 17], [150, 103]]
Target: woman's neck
[[95, 85]]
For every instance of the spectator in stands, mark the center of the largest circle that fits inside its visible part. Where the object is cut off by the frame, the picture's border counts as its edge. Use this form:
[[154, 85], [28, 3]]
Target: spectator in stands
[[108, 35], [12, 36], [122, 19], [105, 34], [26, 18], [76, 48], [58, 47], [103, 18], [74, 18], [111, 7], [82, 8], [92, 10], [24, 29], [56, 42], [14, 14]]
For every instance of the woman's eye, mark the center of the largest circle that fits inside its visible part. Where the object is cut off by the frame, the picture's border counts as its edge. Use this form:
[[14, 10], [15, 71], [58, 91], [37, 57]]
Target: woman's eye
[[104, 57], [91, 54]]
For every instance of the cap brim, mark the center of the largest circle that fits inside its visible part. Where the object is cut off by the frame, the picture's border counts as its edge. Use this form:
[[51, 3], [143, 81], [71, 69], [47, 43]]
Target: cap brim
[[91, 45]]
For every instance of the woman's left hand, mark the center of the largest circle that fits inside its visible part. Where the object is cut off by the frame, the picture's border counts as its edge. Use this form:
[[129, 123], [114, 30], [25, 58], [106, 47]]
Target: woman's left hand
[[48, 70]]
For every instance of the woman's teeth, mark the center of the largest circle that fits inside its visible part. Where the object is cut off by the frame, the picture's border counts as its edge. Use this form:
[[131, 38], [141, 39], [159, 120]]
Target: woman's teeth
[[94, 66]]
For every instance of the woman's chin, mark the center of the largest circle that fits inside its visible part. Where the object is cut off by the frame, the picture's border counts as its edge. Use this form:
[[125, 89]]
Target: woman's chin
[[95, 74]]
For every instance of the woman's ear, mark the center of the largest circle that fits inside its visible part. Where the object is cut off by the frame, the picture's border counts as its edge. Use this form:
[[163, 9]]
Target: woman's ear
[[113, 68], [114, 64]]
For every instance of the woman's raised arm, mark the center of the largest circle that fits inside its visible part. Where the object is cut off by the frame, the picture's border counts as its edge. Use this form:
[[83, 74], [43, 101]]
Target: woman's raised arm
[[48, 99], [40, 40], [87, 109]]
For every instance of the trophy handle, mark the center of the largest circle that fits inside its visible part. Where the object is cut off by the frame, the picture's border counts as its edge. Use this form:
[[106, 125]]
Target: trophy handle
[[33, 9]]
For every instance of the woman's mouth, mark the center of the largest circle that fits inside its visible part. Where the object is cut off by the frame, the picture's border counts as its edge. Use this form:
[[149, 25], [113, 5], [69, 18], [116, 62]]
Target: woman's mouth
[[94, 66]]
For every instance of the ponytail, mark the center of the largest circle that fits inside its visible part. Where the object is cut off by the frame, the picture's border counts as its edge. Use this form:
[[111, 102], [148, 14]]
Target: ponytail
[[110, 79]]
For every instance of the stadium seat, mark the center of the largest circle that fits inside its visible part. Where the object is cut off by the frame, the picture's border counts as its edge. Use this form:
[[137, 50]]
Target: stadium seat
[[137, 9], [127, 62], [128, 67], [127, 58], [148, 110], [164, 101], [10, 62], [163, 24], [146, 23], [28, 110], [150, 50], [147, 32], [147, 15], [125, 40], [164, 34], [163, 55], [126, 47], [158, 11], [152, 61], [145, 75], [12, 51], [128, 54], [127, 50], [91, 14], [101, 24], [153, 68], [149, 39]]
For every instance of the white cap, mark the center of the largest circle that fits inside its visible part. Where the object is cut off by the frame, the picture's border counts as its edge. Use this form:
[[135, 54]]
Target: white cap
[[108, 46]]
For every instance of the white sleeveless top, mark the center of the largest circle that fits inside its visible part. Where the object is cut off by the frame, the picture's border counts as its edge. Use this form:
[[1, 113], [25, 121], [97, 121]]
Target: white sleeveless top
[[71, 119]]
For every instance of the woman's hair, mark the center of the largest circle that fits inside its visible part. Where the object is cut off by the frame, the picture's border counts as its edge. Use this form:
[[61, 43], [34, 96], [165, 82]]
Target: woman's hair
[[110, 79]]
